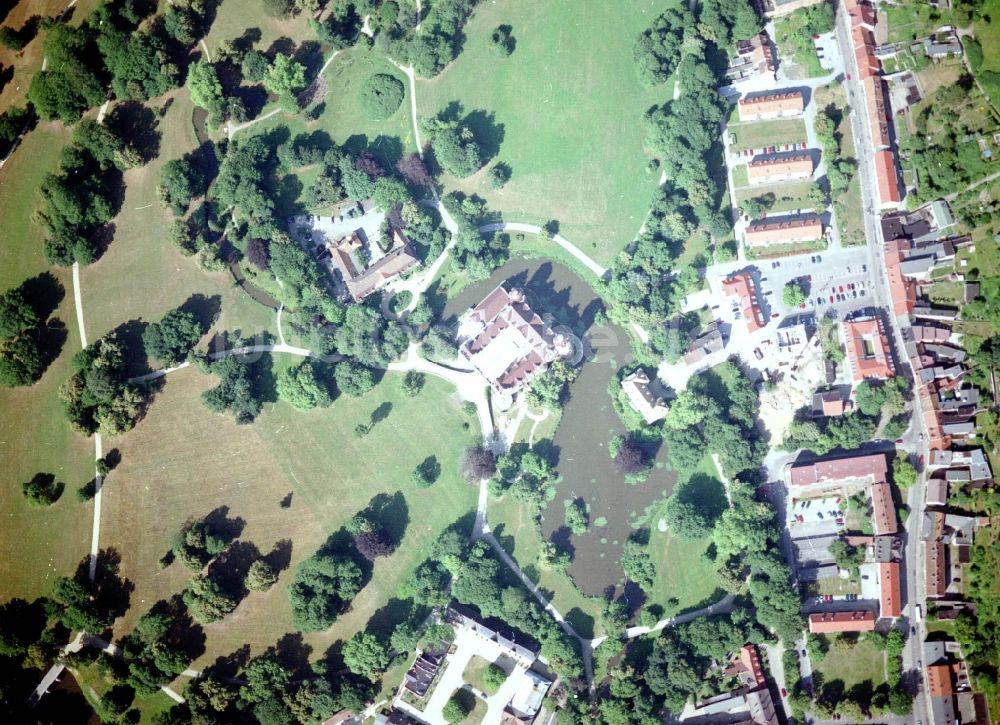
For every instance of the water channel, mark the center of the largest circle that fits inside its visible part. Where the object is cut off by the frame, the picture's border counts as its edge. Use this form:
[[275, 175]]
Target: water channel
[[589, 421]]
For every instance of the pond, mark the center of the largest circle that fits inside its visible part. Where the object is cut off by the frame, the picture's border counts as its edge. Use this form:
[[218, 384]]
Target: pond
[[588, 423]]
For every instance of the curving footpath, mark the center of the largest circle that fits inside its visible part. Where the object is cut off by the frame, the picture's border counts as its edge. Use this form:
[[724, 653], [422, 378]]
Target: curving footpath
[[557, 238]]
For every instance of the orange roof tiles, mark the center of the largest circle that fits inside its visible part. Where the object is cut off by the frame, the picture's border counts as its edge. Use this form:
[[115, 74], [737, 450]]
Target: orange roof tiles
[[902, 289], [885, 174], [782, 230], [797, 166], [883, 509], [771, 104], [741, 285], [876, 105], [889, 589], [829, 622], [934, 570], [868, 349], [939, 680], [840, 469]]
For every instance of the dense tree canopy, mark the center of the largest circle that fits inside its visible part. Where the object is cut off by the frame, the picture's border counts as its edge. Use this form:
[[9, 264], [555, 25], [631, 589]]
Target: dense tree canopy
[[173, 337], [324, 584]]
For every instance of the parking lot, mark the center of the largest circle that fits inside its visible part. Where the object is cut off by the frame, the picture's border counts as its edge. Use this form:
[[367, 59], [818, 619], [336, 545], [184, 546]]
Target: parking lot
[[832, 280]]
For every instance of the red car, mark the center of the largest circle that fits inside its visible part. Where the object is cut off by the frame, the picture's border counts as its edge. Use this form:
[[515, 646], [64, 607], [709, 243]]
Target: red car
[[784, 692], [831, 299], [841, 288]]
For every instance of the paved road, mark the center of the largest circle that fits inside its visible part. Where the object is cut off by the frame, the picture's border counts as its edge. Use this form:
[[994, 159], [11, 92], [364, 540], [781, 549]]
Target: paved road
[[873, 233]]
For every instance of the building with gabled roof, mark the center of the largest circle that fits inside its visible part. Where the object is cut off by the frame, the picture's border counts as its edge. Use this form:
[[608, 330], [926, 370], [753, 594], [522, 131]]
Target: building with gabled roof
[[936, 577], [742, 286], [363, 280], [507, 342], [883, 509], [771, 104], [783, 230], [868, 349], [864, 470], [890, 590], [860, 620], [645, 396], [789, 167]]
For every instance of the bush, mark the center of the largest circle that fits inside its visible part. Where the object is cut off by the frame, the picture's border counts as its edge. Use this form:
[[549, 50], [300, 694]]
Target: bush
[[381, 96], [260, 577]]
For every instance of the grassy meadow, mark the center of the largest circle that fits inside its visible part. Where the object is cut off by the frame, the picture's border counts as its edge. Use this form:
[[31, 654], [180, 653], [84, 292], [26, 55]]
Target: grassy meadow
[[567, 108]]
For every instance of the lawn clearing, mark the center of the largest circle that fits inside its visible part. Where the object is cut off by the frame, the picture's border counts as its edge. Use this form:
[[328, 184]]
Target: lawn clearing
[[343, 118], [232, 18], [569, 104], [474, 671], [35, 436], [760, 134], [142, 275], [783, 250], [685, 578], [853, 665], [788, 196], [183, 461], [795, 42]]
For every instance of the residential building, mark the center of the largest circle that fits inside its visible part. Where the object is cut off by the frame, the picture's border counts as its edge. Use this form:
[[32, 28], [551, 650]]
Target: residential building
[[789, 167], [783, 230], [937, 492], [361, 279], [943, 45], [527, 698], [519, 646], [902, 289], [855, 470], [753, 57], [645, 396], [830, 403], [935, 571], [887, 176], [868, 350], [836, 622], [708, 342], [883, 509], [876, 107], [741, 286], [771, 104], [507, 342], [890, 596]]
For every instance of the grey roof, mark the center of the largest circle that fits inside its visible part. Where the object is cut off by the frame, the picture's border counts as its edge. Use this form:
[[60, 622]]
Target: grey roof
[[917, 266], [934, 652], [943, 710], [957, 475], [959, 429], [883, 549], [950, 352]]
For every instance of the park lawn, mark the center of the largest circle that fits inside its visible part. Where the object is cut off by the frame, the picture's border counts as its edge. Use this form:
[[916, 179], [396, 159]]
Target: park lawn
[[142, 275], [184, 461], [39, 544], [741, 176], [233, 18], [853, 665], [788, 196], [343, 118], [568, 109], [514, 528], [682, 570], [758, 134]]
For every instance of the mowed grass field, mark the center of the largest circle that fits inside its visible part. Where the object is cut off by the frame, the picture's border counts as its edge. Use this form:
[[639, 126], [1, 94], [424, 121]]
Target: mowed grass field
[[35, 437], [853, 664], [25, 63], [569, 104], [184, 461], [142, 275]]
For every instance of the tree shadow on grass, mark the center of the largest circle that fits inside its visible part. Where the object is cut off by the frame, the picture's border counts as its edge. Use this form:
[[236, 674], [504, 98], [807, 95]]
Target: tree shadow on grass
[[280, 555], [52, 337], [137, 123], [230, 568], [582, 622], [293, 652], [44, 293], [205, 309], [489, 134], [390, 513], [130, 335], [384, 621]]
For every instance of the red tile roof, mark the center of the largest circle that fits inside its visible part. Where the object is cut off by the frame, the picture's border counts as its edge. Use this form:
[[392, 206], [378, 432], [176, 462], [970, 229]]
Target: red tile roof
[[840, 469], [829, 622], [939, 680], [759, 104], [876, 105], [741, 285], [767, 167], [935, 575], [902, 289], [868, 349], [883, 509], [889, 589], [780, 230], [888, 181]]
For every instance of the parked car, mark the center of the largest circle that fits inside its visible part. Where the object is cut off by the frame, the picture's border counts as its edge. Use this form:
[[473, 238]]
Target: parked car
[[831, 299], [784, 692]]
